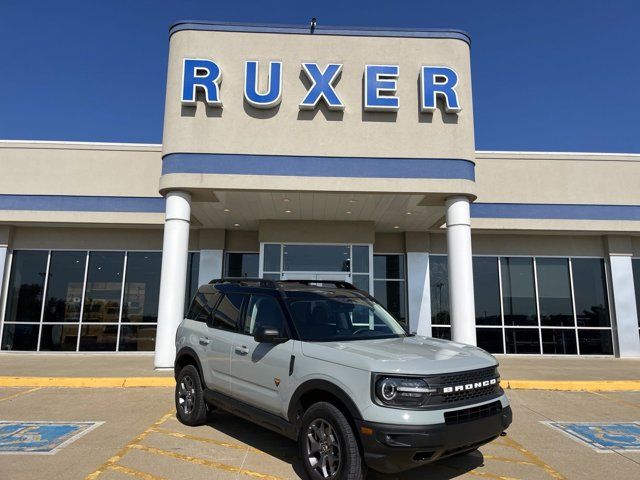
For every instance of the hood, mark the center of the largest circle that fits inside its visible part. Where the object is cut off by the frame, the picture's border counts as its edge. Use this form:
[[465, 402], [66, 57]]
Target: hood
[[411, 355]]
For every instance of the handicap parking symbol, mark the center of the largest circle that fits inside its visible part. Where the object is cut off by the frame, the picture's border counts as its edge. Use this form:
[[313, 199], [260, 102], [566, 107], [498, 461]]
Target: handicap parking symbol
[[44, 438], [603, 437]]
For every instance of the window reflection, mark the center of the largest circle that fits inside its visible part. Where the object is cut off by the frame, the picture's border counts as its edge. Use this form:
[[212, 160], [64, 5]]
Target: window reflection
[[104, 285], [24, 301], [316, 258], [486, 287], [518, 291], [142, 287], [590, 290], [64, 289], [439, 276], [554, 292]]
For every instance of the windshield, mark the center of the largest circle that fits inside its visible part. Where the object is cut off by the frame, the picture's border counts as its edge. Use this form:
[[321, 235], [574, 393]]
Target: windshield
[[327, 316]]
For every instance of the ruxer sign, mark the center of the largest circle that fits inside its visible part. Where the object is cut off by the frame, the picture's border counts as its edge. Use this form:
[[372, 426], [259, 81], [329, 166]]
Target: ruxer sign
[[379, 89]]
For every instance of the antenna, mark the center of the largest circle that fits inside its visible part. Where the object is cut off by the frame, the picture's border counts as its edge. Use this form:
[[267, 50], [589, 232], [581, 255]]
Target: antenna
[[312, 25]]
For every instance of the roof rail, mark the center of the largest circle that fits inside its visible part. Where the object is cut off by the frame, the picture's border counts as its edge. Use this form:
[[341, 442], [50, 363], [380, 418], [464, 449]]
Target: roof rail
[[262, 282], [337, 283]]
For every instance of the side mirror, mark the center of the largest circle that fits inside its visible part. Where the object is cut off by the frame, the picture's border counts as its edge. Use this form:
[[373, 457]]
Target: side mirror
[[268, 335]]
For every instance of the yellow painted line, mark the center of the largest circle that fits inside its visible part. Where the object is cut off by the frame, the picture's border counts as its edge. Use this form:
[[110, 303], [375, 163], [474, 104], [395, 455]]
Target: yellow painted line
[[211, 441], [574, 385], [510, 442], [617, 400], [474, 472], [87, 382], [123, 451], [19, 394], [508, 460], [135, 473], [204, 462]]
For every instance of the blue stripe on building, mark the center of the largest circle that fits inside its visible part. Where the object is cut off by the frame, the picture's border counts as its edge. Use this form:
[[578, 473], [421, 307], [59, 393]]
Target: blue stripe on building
[[555, 211], [77, 203], [307, 166]]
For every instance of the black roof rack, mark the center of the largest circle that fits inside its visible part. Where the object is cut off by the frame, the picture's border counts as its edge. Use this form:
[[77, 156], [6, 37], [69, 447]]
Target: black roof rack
[[262, 282], [337, 283]]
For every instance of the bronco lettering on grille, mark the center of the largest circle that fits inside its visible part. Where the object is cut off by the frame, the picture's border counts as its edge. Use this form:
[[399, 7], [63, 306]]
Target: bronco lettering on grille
[[470, 386]]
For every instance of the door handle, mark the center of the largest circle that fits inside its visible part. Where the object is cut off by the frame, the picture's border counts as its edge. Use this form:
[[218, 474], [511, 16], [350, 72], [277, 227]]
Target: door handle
[[204, 341], [241, 350]]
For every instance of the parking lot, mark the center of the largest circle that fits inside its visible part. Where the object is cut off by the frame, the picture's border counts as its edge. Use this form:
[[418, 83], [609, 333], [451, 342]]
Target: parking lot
[[141, 438]]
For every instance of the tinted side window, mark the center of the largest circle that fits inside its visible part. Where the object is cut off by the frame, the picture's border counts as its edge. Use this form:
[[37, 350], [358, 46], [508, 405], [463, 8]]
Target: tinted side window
[[202, 306], [263, 311], [228, 312]]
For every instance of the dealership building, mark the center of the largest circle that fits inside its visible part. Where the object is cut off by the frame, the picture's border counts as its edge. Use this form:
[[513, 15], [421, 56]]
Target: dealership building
[[332, 154]]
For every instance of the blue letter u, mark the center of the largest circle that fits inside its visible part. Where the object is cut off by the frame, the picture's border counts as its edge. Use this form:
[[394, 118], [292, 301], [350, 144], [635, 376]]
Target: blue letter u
[[273, 95]]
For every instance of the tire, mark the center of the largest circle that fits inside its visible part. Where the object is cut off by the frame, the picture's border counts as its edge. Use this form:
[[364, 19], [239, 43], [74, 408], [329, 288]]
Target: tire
[[191, 407], [328, 446]]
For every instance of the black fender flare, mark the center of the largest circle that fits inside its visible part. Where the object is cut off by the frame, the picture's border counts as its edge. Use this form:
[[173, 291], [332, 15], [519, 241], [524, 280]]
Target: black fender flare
[[188, 352], [327, 386]]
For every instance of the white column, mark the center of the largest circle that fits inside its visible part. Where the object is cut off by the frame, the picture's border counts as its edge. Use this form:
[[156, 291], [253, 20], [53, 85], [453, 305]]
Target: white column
[[418, 293], [173, 277], [462, 307], [210, 266], [624, 305]]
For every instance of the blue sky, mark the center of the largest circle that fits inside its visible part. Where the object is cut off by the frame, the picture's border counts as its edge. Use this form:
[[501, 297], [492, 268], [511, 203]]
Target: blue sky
[[547, 74]]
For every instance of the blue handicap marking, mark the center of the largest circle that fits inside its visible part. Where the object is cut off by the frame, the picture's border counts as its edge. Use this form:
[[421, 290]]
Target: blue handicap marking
[[40, 437], [603, 436]]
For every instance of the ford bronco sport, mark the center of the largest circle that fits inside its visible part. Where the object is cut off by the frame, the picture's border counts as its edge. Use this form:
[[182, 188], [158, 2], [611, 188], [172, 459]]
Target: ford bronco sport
[[325, 364]]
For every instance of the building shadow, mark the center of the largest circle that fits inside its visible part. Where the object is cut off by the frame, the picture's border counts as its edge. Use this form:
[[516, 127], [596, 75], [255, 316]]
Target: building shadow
[[286, 450]]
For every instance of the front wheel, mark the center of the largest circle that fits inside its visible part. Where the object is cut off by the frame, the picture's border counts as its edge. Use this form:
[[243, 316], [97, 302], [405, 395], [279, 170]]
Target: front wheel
[[191, 407], [328, 446]]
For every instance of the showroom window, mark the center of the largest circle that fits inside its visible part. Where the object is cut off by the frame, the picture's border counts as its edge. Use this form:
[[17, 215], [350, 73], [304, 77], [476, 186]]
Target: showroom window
[[318, 262], [389, 284], [636, 282], [439, 281], [531, 305], [241, 264], [85, 300]]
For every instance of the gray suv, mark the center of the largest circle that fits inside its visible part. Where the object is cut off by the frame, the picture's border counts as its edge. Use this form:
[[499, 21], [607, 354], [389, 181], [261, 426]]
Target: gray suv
[[326, 365]]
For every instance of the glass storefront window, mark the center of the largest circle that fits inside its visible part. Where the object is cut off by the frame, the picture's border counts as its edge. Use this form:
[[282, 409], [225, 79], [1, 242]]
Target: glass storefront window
[[518, 291], [242, 265], [522, 340], [316, 258], [272, 257], [389, 284], [486, 287], [636, 282], [554, 292], [193, 271], [64, 288], [360, 260], [142, 287], [490, 339], [590, 290], [56, 327], [559, 341], [104, 286], [439, 276], [24, 300]]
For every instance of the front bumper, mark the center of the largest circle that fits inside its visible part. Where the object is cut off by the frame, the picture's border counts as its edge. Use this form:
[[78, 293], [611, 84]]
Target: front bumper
[[392, 448]]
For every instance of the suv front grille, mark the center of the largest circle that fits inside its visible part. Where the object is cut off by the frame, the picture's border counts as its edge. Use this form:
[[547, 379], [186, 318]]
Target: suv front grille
[[448, 394], [474, 413]]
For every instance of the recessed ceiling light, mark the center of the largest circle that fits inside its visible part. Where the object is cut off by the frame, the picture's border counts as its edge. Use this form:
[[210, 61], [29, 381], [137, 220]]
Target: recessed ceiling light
[[287, 211], [236, 224], [286, 200], [396, 226], [353, 201], [226, 210], [348, 212], [408, 213]]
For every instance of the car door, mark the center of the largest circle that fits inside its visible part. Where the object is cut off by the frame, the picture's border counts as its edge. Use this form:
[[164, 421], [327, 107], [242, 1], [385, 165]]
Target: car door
[[260, 371], [222, 333]]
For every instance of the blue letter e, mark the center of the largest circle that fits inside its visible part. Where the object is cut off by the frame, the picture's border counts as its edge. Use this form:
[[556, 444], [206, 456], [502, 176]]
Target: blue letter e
[[201, 74], [438, 82]]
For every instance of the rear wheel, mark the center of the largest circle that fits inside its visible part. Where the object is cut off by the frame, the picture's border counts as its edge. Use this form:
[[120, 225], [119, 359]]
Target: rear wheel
[[191, 407], [328, 446]]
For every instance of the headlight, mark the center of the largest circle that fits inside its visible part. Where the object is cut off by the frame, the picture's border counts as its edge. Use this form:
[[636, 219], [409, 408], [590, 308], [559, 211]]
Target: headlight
[[402, 391]]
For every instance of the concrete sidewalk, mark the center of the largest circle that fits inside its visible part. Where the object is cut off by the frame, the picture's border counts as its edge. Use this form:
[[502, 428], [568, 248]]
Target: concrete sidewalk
[[110, 370]]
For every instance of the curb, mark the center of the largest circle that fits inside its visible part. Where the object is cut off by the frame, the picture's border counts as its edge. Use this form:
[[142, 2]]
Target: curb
[[574, 385], [87, 382], [168, 381]]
